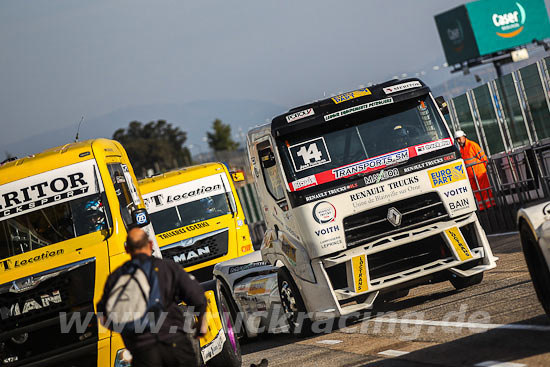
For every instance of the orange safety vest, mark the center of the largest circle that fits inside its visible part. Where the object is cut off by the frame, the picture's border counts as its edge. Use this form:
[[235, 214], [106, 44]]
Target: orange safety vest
[[472, 153]]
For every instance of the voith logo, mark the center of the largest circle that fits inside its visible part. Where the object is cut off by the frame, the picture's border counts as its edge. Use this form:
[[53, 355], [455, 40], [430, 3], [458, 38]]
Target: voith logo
[[510, 24]]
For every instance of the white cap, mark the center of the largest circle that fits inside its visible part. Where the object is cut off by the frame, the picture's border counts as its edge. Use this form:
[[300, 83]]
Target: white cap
[[459, 133]]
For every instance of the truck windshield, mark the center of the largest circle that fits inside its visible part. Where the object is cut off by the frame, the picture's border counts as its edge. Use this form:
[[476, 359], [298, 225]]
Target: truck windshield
[[51, 225], [51, 207], [189, 213], [386, 136], [189, 202]]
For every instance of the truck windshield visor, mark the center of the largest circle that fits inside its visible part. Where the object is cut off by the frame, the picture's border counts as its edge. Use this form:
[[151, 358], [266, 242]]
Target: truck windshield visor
[[51, 207], [189, 203], [359, 143]]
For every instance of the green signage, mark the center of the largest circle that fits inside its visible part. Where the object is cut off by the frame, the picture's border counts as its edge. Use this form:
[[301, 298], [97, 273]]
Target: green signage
[[457, 36], [483, 27], [503, 24]]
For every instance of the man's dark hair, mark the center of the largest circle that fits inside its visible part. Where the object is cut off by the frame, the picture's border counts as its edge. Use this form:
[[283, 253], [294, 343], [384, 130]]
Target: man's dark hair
[[138, 243]]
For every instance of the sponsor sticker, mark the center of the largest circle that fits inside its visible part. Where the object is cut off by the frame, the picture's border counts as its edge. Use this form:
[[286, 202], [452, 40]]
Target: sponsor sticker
[[372, 164], [304, 182], [456, 192], [212, 343], [402, 86], [325, 231], [186, 192], [459, 204], [448, 174], [8, 264], [333, 241], [183, 230], [431, 146], [308, 154], [359, 108], [383, 175], [49, 188], [427, 164], [331, 192], [460, 246], [359, 269], [351, 95], [290, 252], [256, 264], [257, 286], [141, 218], [300, 115], [324, 212]]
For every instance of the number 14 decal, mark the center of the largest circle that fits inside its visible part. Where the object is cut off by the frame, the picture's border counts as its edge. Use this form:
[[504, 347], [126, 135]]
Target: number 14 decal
[[309, 154]]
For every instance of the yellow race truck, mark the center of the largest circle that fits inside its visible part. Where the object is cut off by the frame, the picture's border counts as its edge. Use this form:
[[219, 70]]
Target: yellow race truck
[[64, 215], [197, 217], [200, 222]]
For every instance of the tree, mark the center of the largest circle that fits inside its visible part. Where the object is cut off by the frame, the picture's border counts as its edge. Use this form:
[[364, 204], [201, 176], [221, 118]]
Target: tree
[[157, 145], [221, 139]]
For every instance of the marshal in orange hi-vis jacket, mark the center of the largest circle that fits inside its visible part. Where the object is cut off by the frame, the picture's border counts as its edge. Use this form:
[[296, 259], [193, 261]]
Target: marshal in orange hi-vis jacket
[[476, 162]]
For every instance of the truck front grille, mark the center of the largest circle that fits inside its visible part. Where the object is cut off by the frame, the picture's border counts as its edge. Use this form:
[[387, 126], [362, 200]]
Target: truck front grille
[[372, 224], [31, 330], [407, 256], [198, 249]]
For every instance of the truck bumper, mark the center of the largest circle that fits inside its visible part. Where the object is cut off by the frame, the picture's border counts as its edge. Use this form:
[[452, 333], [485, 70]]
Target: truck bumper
[[351, 280]]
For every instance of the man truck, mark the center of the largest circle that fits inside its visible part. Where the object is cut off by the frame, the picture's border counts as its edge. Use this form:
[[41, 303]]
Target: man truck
[[199, 222], [64, 215]]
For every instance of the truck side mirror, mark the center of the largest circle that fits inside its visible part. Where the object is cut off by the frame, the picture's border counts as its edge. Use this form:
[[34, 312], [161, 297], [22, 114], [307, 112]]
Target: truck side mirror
[[237, 176], [442, 104], [140, 218], [267, 158]]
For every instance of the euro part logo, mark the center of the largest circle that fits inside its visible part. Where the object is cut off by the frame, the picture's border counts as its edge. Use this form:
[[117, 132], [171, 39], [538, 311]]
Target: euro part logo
[[324, 212], [511, 23], [351, 95], [447, 174]]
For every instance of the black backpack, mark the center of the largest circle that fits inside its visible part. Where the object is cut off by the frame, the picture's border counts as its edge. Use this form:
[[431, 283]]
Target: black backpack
[[134, 305]]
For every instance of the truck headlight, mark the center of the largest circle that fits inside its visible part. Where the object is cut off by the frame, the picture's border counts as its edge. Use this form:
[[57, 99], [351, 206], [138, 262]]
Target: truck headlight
[[123, 358]]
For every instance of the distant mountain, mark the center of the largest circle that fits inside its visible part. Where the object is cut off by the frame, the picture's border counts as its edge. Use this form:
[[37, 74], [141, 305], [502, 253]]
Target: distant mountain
[[195, 118]]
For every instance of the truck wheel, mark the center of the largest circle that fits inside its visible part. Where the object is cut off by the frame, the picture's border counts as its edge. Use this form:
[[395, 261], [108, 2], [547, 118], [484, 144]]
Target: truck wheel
[[239, 327], [293, 304], [230, 356], [461, 283], [537, 266]]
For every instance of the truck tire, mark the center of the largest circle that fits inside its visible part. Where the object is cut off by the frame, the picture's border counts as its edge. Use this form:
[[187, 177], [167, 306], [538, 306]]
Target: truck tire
[[238, 324], [540, 275], [293, 305], [461, 283], [230, 356]]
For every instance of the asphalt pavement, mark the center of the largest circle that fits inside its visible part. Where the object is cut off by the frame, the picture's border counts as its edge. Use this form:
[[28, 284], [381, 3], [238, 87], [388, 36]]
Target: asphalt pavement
[[497, 323]]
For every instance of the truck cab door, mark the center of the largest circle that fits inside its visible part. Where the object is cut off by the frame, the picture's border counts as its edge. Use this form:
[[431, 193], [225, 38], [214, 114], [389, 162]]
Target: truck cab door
[[276, 207]]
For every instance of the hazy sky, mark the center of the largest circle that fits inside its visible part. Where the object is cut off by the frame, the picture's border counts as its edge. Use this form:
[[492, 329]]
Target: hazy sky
[[60, 59]]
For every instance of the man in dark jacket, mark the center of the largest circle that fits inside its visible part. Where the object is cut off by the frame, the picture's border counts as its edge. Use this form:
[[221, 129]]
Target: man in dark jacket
[[171, 346]]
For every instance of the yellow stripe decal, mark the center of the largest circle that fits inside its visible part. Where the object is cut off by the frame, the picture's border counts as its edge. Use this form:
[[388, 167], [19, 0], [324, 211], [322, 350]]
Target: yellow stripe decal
[[359, 266], [454, 235]]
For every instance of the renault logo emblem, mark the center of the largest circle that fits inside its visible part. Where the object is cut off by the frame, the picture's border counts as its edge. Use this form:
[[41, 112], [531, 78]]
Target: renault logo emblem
[[394, 217]]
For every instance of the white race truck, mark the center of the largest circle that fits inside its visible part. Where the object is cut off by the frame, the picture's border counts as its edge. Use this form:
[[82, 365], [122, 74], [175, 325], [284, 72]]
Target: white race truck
[[534, 230], [364, 195]]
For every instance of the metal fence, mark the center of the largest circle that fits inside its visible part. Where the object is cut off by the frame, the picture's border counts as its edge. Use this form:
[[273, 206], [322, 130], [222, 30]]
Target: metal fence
[[510, 118]]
